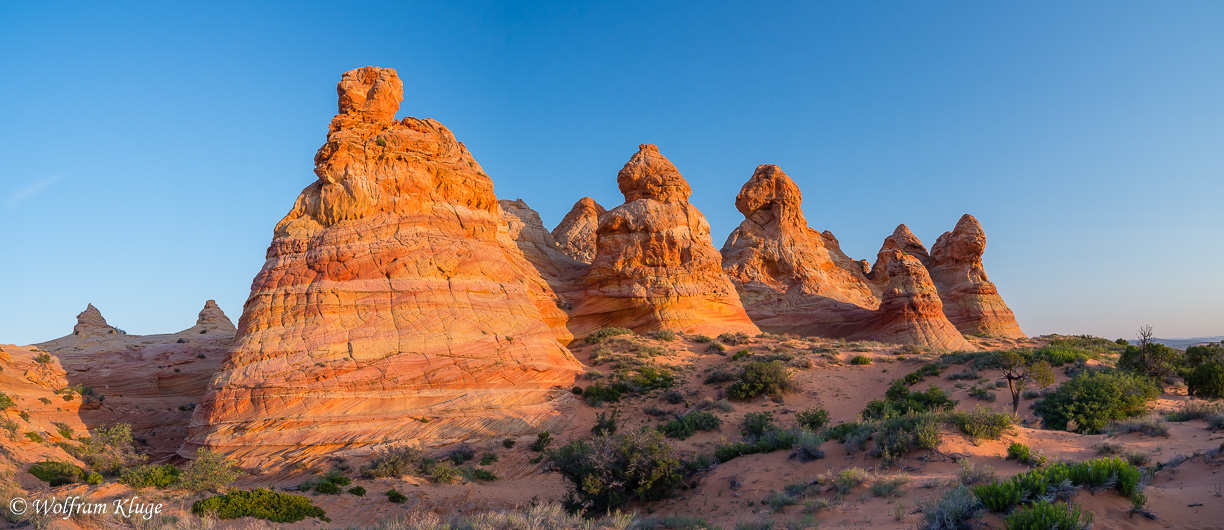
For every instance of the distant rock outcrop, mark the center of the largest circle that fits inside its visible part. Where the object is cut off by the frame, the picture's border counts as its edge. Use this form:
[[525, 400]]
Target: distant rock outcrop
[[393, 304], [575, 234], [793, 279], [151, 382], [971, 302], [655, 266]]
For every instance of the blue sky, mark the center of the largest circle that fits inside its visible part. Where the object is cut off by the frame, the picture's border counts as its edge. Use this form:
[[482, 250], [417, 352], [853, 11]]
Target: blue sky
[[149, 148]]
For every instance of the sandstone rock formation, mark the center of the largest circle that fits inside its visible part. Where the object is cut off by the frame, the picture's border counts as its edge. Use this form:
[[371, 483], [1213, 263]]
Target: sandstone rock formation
[[793, 279], [393, 304], [655, 266], [971, 302], [151, 382], [575, 234]]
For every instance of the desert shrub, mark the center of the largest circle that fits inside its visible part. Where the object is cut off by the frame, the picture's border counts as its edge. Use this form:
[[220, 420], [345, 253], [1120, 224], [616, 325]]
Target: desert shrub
[[1046, 516], [719, 375], [43, 358], [93, 479], [64, 430], [110, 449], [358, 491], [1030, 394], [395, 496], [651, 377], [900, 400], [1094, 398], [888, 487], [260, 504], [461, 454], [674, 397], [770, 441], [209, 471], [733, 339], [983, 394], [542, 441], [599, 393], [665, 335], [917, 376], [443, 472], [756, 424], [982, 423], [1205, 380], [6, 401], [848, 479], [812, 419], [1196, 410], [1058, 479], [847, 432], [717, 347], [599, 335], [1151, 425], [605, 423], [610, 471], [1060, 354], [1155, 360], [720, 405], [897, 436], [771, 378], [807, 446], [328, 488], [1025, 455], [741, 354], [969, 474], [488, 459], [393, 463], [56, 473], [860, 360], [692, 422], [10, 427], [150, 476], [34, 437], [508, 443], [329, 483], [951, 511], [472, 473], [702, 339]]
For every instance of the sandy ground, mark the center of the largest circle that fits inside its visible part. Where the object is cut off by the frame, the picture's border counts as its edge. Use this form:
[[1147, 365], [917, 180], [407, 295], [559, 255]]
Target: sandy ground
[[1185, 495]]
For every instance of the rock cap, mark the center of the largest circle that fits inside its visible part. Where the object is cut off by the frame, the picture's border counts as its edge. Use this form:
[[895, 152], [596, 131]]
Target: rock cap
[[650, 175], [371, 93]]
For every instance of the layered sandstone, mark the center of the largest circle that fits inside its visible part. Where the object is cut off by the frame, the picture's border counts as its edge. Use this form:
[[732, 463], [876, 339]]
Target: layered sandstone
[[393, 304], [655, 266], [151, 382], [970, 300], [791, 278], [575, 234], [910, 310], [562, 273]]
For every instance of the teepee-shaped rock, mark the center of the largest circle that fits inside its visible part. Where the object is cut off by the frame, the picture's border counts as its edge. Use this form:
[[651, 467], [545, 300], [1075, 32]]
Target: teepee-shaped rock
[[655, 266], [575, 234], [393, 304], [970, 300]]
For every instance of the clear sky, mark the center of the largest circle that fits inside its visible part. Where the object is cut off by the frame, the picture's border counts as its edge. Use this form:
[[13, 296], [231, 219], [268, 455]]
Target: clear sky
[[149, 148]]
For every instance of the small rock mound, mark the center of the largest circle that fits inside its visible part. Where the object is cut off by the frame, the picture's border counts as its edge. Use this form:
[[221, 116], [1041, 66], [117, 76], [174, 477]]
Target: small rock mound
[[575, 234], [970, 300]]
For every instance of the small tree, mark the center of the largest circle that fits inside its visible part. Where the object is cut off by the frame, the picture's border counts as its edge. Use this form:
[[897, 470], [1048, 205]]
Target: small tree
[[1149, 357], [1019, 373]]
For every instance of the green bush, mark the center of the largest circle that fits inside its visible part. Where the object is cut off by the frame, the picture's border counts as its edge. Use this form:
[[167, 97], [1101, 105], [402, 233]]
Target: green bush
[[1094, 398], [209, 471], [702, 339], [917, 376], [665, 335], [43, 358], [1056, 479], [756, 424], [56, 473], [812, 419], [396, 497], [900, 400], [741, 354], [982, 423], [34, 437], [770, 441], [1156, 360], [1046, 516], [260, 504], [682, 428], [600, 335], [771, 378], [651, 377], [472, 473], [609, 471], [860, 360], [328, 488], [358, 491], [461, 454], [1023, 454], [807, 446], [110, 449], [508, 443], [897, 436], [93, 479], [488, 459], [1206, 380], [150, 476], [6, 401], [542, 442], [599, 393]]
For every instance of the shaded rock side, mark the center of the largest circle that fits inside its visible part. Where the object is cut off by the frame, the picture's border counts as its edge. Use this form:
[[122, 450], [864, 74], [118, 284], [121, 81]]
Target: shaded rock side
[[575, 234], [151, 382], [970, 300], [791, 278], [655, 266], [393, 304], [562, 273]]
